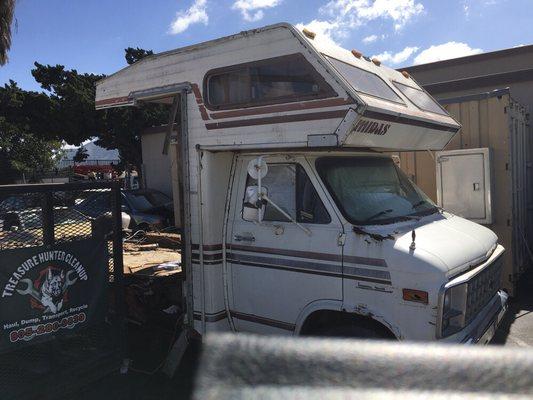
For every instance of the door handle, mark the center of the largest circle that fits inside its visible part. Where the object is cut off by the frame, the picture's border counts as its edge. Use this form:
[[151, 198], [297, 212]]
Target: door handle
[[242, 238]]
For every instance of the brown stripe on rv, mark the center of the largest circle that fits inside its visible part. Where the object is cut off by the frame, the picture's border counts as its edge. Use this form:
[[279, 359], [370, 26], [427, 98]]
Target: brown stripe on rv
[[408, 121], [211, 317], [277, 120], [207, 247], [375, 262], [308, 105], [203, 112], [207, 257], [305, 267], [219, 316], [197, 94], [262, 320]]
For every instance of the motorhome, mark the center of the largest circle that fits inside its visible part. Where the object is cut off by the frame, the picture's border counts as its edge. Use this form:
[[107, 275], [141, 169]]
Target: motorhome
[[294, 218]]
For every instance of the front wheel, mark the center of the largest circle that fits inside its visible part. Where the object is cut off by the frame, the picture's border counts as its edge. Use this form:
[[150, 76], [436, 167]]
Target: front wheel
[[360, 331]]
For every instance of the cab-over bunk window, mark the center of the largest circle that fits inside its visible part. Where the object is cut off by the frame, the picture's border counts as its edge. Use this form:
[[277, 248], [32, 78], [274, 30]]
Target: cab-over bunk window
[[270, 81], [420, 98], [365, 81]]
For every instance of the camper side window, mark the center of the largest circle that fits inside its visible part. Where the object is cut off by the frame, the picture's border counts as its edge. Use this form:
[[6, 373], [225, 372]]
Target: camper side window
[[291, 189], [275, 80]]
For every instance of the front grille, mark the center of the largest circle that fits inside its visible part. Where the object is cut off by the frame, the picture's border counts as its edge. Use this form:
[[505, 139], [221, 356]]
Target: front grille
[[481, 288]]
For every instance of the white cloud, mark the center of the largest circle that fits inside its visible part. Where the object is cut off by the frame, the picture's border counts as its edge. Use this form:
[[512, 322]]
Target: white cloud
[[324, 30], [195, 14], [339, 16], [389, 58], [355, 13], [370, 39], [252, 10], [466, 9], [445, 51], [373, 38]]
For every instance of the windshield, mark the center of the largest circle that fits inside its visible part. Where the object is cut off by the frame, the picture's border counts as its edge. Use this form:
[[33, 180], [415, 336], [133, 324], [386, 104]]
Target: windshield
[[147, 200], [372, 190]]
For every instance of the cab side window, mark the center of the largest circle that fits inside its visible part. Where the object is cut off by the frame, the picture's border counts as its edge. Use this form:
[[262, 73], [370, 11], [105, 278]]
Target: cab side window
[[290, 188]]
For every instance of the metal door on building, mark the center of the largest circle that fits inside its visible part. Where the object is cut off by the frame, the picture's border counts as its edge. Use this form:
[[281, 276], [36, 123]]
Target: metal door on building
[[464, 183]]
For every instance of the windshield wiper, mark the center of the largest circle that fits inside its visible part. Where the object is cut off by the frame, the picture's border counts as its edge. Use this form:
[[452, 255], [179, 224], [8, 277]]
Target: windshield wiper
[[433, 206], [421, 202], [379, 214]]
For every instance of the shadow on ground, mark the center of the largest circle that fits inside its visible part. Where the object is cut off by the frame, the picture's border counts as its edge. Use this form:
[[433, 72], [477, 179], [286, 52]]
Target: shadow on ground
[[143, 381], [516, 328]]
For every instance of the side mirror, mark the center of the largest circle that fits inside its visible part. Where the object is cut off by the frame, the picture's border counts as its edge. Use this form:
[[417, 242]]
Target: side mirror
[[253, 208]]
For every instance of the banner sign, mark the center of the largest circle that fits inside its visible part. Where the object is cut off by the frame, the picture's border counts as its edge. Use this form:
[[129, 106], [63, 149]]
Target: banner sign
[[45, 292]]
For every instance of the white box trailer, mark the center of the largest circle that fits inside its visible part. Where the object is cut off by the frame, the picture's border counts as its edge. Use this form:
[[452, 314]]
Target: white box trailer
[[293, 222]]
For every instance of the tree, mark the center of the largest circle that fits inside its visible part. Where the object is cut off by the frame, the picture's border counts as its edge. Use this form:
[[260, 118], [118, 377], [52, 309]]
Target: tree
[[81, 155], [7, 9], [134, 55], [32, 120], [18, 152], [74, 118], [23, 115]]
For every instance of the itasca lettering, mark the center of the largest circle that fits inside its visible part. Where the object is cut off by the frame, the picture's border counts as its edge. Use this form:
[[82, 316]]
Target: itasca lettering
[[373, 127]]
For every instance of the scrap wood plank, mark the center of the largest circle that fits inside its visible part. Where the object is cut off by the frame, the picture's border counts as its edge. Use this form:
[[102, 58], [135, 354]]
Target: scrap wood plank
[[144, 262], [164, 239]]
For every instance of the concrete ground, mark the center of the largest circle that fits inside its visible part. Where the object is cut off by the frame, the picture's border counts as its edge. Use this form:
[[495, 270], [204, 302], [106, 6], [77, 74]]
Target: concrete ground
[[516, 328]]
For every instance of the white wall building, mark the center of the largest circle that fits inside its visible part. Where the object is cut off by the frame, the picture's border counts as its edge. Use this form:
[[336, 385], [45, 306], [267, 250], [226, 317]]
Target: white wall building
[[96, 155]]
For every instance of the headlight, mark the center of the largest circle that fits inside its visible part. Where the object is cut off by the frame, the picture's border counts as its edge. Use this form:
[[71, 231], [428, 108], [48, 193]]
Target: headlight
[[454, 310]]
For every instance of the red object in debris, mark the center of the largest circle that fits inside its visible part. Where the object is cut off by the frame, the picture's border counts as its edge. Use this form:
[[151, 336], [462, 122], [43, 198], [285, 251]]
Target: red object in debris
[[85, 169]]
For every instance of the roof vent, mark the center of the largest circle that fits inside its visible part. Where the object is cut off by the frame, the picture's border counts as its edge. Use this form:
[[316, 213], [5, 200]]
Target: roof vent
[[357, 54], [308, 33], [376, 62], [405, 74]]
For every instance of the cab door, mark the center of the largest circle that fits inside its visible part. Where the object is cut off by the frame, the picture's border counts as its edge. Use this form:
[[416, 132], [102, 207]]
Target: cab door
[[278, 267]]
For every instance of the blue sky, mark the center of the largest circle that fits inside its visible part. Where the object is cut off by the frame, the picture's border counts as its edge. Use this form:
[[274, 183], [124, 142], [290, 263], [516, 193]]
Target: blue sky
[[90, 35]]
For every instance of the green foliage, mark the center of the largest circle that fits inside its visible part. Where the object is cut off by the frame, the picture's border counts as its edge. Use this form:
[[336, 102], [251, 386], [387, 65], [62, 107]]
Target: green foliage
[[32, 124], [74, 118], [81, 155], [134, 55], [24, 148], [7, 10]]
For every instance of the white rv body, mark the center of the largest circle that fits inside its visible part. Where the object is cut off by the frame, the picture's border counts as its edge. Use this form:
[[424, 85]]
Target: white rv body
[[292, 277]]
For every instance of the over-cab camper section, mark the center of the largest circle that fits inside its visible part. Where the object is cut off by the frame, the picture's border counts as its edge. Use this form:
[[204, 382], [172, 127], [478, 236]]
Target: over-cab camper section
[[276, 87]]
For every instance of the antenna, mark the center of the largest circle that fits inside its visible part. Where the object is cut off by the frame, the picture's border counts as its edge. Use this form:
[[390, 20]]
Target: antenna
[[413, 238]]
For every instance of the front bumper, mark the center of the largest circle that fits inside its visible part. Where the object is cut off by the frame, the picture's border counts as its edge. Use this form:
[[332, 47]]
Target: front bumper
[[483, 327]]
